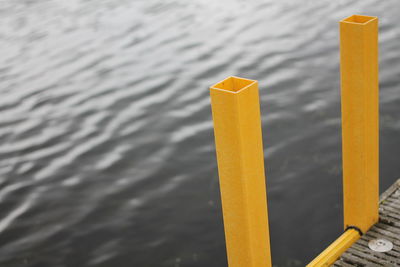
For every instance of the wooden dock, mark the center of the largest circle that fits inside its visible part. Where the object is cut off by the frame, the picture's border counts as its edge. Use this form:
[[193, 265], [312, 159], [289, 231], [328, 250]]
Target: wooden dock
[[388, 227]]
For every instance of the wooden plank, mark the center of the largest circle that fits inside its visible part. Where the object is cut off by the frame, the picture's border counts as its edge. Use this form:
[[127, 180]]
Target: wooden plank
[[342, 263], [364, 244], [388, 227], [390, 190], [364, 249], [390, 211]]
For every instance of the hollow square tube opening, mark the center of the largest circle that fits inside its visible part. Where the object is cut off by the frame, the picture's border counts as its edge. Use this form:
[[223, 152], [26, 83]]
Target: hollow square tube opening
[[359, 19], [233, 84]]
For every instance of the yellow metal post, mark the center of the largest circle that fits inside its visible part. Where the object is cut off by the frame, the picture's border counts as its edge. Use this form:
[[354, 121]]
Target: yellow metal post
[[238, 139], [360, 120]]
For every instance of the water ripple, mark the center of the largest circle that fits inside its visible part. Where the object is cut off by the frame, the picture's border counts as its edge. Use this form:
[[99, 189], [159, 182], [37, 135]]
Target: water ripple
[[106, 152]]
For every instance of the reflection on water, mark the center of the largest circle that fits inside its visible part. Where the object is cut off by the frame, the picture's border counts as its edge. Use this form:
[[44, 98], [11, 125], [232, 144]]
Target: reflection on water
[[107, 152]]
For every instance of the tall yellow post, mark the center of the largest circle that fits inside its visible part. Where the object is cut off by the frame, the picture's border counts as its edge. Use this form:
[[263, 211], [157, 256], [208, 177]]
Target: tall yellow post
[[238, 139], [360, 120]]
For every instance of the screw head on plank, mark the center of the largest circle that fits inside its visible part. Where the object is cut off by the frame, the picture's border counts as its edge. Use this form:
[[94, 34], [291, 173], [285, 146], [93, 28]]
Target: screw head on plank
[[380, 245]]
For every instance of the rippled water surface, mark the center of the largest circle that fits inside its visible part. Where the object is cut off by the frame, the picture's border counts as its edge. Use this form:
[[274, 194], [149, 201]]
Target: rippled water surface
[[106, 143]]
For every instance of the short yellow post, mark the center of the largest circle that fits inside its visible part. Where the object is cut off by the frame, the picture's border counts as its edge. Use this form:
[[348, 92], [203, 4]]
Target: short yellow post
[[238, 139], [360, 120]]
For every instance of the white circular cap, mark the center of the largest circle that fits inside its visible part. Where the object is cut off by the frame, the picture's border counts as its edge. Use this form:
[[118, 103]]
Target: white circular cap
[[380, 245]]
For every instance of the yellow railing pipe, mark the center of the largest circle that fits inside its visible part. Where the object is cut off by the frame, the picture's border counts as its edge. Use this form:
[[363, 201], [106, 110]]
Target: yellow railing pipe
[[333, 252], [238, 139], [360, 120]]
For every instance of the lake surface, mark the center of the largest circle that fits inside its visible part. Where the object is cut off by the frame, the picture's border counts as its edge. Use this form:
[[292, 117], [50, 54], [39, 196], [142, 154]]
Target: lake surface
[[107, 154]]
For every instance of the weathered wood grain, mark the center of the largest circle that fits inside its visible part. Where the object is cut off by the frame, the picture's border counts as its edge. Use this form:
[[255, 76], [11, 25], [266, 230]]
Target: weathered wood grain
[[388, 227]]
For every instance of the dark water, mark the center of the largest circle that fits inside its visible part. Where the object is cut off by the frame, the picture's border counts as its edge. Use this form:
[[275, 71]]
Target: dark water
[[106, 145]]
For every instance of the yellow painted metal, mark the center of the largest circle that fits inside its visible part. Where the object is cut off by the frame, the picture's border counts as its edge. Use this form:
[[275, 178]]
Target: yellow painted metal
[[238, 139], [360, 120], [333, 252]]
